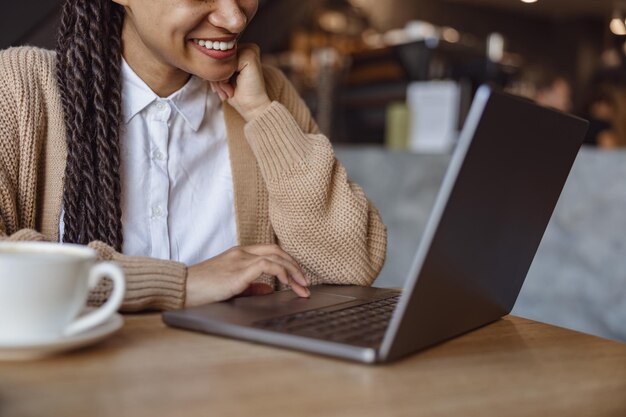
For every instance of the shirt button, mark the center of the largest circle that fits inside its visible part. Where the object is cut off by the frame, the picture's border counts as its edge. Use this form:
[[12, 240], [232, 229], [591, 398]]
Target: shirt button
[[157, 211], [160, 106], [158, 155]]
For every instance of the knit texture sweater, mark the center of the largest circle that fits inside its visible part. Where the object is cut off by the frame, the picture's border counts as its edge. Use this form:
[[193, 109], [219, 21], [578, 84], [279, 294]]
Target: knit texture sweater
[[289, 189]]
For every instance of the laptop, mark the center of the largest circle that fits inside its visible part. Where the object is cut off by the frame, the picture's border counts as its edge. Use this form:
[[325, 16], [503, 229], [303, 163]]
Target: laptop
[[500, 189]]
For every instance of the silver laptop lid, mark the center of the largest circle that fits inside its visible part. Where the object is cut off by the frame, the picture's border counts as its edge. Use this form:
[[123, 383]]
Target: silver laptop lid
[[504, 180]]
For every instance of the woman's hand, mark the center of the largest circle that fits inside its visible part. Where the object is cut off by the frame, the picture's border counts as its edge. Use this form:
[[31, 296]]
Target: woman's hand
[[232, 273], [245, 91]]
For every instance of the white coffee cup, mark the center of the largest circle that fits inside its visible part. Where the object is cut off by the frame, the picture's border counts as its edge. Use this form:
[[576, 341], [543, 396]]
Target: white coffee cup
[[44, 287]]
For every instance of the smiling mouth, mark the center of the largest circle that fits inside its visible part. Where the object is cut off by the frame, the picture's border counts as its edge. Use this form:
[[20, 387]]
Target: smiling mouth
[[216, 45]]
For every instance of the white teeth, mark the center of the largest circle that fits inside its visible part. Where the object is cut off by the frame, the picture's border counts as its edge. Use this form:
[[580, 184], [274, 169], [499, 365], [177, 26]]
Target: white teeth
[[216, 45]]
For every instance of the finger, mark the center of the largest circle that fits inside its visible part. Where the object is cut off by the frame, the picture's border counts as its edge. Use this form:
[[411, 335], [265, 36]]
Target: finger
[[265, 266], [301, 290], [268, 249], [294, 275], [214, 88], [228, 89], [224, 89], [294, 271], [251, 47], [265, 250], [248, 54], [287, 279], [220, 91]]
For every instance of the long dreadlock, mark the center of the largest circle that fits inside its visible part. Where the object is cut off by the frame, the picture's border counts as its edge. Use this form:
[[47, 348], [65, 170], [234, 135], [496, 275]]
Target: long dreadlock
[[89, 54]]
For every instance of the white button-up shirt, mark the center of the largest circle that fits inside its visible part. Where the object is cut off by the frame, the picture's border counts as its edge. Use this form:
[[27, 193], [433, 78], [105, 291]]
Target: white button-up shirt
[[177, 190]]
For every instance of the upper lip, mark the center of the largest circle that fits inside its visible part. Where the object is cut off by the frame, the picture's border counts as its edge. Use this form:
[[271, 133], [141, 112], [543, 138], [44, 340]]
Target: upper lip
[[219, 39]]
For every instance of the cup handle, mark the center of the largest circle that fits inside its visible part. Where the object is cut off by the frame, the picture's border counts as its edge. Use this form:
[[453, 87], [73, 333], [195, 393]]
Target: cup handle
[[105, 311]]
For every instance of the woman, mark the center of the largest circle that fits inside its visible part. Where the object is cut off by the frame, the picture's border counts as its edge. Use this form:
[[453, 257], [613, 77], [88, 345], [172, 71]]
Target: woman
[[119, 141]]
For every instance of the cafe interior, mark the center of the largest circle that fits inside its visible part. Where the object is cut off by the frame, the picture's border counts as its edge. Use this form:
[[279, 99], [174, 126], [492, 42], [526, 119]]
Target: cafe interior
[[362, 65], [370, 71]]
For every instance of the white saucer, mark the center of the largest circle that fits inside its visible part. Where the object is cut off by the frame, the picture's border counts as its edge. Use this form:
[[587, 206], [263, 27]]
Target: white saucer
[[26, 351]]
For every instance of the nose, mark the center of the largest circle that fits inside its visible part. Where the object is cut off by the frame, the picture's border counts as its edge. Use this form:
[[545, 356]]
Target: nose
[[229, 15]]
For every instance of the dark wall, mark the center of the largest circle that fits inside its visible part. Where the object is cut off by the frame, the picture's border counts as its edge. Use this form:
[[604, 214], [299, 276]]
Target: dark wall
[[276, 20], [569, 46], [29, 22]]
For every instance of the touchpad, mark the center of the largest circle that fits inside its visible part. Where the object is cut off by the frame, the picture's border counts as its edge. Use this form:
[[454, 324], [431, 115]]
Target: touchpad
[[287, 302]]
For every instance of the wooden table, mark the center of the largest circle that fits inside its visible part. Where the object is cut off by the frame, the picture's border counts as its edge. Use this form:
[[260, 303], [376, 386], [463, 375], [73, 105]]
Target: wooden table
[[514, 367]]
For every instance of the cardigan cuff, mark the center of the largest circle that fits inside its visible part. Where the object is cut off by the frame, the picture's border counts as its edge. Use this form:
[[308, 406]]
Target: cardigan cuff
[[25, 235], [150, 283], [277, 140]]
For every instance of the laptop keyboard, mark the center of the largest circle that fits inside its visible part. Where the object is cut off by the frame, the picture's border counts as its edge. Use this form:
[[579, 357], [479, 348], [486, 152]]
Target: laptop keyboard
[[361, 325]]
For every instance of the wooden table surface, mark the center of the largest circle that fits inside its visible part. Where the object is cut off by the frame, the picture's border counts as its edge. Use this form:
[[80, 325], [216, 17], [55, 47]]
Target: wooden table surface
[[514, 367]]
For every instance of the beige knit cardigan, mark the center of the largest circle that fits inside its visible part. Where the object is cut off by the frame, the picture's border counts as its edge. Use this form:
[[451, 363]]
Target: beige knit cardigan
[[288, 187]]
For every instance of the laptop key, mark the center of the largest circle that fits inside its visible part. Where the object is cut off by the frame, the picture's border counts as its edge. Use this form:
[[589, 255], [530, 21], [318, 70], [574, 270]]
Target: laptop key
[[363, 324]]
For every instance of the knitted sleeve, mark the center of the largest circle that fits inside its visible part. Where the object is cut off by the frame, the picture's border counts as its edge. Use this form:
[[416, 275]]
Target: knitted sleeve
[[320, 217], [24, 83], [9, 154], [150, 283]]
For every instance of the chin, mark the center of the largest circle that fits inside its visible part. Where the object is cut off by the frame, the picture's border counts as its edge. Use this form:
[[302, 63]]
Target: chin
[[227, 77], [216, 76]]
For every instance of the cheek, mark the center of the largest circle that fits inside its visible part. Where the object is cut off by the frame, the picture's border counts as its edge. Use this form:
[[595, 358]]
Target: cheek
[[162, 26], [183, 19]]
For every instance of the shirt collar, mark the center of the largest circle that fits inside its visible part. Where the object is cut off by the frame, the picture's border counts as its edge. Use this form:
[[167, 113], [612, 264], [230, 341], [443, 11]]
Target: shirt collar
[[190, 101]]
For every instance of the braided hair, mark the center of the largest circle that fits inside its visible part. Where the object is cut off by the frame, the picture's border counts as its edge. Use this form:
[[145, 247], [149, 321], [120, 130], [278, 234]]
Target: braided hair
[[89, 55]]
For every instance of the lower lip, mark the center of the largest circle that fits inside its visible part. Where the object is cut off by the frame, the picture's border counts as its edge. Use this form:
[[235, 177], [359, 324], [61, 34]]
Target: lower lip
[[219, 55]]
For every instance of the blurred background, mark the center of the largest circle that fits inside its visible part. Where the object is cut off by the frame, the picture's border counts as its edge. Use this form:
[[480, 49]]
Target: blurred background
[[390, 83], [354, 60]]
